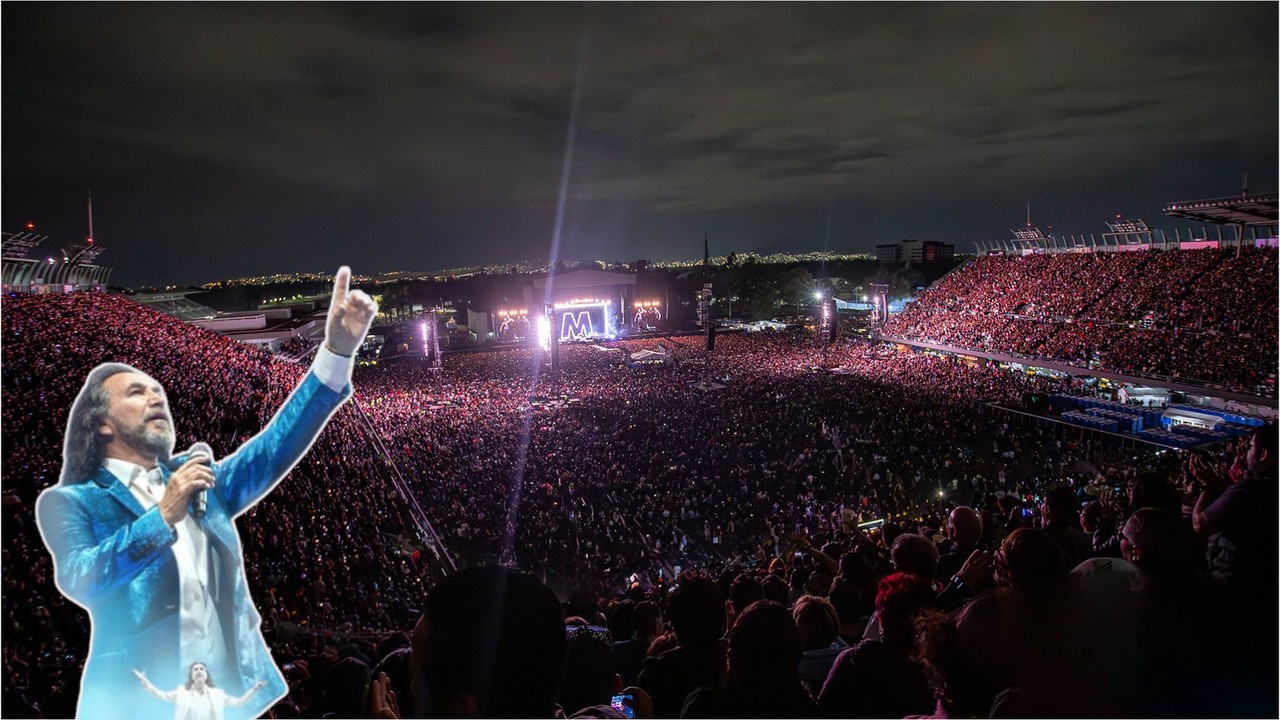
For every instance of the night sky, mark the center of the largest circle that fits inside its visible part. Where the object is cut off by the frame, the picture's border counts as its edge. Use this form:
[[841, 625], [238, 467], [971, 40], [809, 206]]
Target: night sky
[[239, 139]]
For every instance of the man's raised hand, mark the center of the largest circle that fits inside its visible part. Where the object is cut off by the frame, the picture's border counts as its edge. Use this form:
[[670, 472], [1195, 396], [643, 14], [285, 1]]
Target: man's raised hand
[[350, 315]]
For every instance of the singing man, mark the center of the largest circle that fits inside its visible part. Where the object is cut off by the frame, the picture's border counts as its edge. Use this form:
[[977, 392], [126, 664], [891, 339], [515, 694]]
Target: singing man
[[146, 542]]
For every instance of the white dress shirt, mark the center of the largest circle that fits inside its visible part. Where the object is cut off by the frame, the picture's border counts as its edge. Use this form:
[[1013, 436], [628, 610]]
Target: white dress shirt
[[199, 626], [332, 369], [192, 705]]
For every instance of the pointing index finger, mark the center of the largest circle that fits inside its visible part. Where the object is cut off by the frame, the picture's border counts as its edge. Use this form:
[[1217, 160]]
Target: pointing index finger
[[341, 282]]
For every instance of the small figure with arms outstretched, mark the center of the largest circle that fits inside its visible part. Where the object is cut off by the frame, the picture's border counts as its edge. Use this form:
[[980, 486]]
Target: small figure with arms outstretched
[[198, 698]]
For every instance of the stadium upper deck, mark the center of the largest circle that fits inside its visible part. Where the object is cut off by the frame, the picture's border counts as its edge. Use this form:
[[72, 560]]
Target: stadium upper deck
[[1196, 315]]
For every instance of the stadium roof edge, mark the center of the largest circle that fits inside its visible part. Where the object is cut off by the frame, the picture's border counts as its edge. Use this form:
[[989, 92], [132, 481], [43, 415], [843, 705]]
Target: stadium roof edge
[[1237, 210]]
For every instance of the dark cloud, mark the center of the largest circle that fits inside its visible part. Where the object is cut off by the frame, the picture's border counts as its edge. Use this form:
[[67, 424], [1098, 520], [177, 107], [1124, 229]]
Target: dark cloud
[[230, 139]]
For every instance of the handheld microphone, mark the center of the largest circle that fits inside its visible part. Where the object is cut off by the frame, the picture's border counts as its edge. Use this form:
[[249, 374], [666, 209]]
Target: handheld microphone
[[199, 501]]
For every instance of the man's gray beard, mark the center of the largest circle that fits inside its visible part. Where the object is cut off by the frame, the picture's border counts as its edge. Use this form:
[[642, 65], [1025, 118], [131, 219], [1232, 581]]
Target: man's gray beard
[[153, 442]]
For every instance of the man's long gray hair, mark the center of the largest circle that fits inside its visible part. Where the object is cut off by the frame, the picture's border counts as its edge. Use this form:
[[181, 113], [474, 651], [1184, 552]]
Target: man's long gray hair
[[85, 448], [191, 671]]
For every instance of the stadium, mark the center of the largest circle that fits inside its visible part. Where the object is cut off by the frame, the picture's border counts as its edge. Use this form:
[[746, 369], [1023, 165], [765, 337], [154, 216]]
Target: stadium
[[1039, 404]]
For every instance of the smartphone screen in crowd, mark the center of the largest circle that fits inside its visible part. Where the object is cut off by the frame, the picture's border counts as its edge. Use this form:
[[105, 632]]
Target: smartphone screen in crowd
[[621, 704]]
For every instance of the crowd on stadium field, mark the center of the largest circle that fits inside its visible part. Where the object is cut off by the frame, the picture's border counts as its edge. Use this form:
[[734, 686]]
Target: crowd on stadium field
[[754, 463], [609, 448], [1202, 315]]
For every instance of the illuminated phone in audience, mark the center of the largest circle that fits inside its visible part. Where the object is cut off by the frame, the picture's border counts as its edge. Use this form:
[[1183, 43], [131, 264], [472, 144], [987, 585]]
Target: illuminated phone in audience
[[621, 704]]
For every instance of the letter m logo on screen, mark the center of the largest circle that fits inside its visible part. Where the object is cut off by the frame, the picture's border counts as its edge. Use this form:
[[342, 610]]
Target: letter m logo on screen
[[576, 325]]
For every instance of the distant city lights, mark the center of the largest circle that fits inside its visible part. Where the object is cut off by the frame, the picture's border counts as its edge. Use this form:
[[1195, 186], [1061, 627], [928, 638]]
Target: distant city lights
[[526, 267]]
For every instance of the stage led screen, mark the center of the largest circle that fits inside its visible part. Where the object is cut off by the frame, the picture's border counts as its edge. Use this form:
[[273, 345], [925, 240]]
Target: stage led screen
[[584, 321]]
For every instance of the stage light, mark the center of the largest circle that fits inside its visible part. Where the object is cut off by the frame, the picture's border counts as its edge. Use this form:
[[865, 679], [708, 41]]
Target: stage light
[[818, 296], [544, 332]]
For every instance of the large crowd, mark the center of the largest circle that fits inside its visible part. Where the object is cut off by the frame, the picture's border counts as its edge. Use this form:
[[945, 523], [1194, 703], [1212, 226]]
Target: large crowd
[[708, 454], [1200, 315], [770, 529]]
